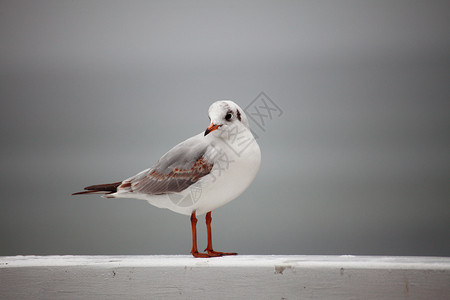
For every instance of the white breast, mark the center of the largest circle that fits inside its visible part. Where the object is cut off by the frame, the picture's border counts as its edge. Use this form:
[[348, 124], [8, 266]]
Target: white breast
[[229, 178]]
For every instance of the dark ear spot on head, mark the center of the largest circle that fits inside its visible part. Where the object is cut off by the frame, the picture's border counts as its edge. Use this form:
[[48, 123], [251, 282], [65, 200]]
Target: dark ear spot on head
[[238, 114]]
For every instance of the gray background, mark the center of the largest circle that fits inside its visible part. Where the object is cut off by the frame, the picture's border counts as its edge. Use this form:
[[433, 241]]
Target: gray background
[[95, 91]]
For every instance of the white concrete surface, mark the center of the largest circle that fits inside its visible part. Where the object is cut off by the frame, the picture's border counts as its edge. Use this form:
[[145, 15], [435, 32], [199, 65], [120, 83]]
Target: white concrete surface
[[238, 277]]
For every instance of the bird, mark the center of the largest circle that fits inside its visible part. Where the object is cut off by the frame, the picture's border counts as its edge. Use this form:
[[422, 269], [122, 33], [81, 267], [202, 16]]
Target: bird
[[199, 174]]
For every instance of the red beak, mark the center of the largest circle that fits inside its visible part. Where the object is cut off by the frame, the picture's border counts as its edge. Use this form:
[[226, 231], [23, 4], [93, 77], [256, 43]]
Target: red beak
[[211, 127]]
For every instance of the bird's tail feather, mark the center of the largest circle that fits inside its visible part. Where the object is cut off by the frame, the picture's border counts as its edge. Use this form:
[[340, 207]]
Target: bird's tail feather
[[107, 188]]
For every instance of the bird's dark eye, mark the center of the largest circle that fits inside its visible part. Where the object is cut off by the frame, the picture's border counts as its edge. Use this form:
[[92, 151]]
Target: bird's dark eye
[[228, 116]]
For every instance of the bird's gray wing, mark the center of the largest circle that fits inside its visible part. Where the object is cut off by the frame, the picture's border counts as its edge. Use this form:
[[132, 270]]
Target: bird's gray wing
[[175, 171]]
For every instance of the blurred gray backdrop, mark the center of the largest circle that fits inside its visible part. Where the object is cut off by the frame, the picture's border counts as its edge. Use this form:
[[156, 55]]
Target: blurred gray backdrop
[[95, 91]]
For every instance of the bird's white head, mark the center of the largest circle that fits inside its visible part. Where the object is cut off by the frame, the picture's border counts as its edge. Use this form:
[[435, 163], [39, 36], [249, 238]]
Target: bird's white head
[[225, 114]]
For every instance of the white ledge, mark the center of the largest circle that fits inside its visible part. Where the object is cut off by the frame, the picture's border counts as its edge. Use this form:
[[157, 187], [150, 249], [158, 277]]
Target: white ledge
[[241, 277], [305, 261]]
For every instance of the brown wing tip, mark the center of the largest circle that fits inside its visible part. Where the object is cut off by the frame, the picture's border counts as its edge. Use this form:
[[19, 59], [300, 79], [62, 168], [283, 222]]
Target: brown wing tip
[[108, 188], [85, 192]]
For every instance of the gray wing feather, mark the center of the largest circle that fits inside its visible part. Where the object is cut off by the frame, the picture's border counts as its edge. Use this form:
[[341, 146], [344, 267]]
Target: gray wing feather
[[175, 171]]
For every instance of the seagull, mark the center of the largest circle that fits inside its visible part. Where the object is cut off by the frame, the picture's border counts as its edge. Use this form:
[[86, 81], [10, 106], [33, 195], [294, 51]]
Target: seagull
[[198, 175]]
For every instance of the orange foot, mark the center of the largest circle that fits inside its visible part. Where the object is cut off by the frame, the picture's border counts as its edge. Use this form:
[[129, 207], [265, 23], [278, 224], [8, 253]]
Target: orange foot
[[199, 254], [211, 253], [217, 253]]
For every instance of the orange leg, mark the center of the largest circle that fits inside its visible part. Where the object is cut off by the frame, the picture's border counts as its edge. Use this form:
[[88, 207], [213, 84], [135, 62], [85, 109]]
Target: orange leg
[[194, 250], [209, 247]]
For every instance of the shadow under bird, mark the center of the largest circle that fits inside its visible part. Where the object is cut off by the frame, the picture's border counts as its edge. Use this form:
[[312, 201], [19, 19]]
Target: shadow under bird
[[198, 175]]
